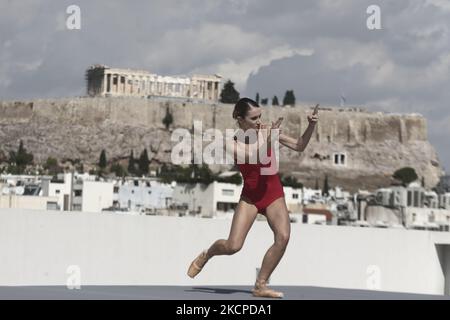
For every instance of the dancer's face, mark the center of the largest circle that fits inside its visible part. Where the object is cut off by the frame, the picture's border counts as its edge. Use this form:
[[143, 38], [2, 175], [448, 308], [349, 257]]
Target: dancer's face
[[252, 119]]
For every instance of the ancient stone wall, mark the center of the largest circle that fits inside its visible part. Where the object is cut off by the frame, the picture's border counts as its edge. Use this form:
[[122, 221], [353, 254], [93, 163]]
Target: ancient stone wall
[[373, 145]]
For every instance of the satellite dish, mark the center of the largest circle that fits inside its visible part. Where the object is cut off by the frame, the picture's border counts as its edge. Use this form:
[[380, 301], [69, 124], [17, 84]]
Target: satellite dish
[[5, 190], [20, 190]]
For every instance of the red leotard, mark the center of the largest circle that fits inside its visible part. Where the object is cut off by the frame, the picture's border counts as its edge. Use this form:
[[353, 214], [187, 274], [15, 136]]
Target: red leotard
[[260, 189]]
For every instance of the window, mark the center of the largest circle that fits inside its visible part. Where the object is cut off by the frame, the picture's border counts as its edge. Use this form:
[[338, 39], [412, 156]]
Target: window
[[116, 189], [52, 206], [149, 192], [225, 206], [78, 193], [432, 217], [57, 191], [295, 196], [227, 192], [416, 199], [339, 159]]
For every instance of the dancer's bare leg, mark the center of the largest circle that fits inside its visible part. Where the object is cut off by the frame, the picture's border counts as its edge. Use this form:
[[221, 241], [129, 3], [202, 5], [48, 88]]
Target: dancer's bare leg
[[278, 219], [244, 216]]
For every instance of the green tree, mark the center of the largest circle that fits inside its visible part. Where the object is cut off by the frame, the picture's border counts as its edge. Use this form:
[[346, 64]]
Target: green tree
[[290, 181], [191, 174], [234, 179], [168, 119], [162, 170], [118, 170], [205, 174], [289, 98], [131, 164], [264, 101], [144, 162], [229, 93], [51, 162], [20, 159], [102, 161], [406, 175], [52, 167], [326, 187], [13, 169], [257, 98], [275, 101], [3, 157], [443, 186], [79, 168]]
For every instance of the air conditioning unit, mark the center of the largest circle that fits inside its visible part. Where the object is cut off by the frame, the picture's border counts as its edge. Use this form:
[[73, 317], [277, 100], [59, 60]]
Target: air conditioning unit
[[383, 197], [444, 201], [398, 198]]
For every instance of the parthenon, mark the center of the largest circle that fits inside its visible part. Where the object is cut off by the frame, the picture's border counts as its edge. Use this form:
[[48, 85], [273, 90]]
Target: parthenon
[[105, 81]]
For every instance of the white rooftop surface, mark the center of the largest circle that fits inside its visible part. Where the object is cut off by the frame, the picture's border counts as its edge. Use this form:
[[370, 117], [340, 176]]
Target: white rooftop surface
[[120, 256]]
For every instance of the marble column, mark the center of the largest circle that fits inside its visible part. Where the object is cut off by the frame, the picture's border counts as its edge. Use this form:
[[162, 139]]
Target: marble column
[[110, 82], [104, 83]]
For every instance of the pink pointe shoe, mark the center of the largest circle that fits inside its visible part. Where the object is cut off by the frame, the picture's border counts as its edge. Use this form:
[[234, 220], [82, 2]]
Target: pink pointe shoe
[[261, 290], [198, 264]]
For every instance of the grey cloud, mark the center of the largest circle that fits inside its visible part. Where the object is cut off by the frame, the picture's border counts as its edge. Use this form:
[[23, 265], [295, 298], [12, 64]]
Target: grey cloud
[[404, 70]]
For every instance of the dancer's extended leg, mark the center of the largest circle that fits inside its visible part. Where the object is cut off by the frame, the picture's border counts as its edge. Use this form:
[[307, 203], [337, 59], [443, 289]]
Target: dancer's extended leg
[[243, 218]]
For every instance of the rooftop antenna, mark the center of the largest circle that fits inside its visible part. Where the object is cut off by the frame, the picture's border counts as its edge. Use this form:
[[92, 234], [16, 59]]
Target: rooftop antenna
[[343, 99]]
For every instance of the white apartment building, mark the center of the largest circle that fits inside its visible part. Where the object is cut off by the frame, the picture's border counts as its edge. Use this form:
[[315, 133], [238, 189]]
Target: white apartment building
[[92, 196], [219, 198], [206, 200], [142, 194]]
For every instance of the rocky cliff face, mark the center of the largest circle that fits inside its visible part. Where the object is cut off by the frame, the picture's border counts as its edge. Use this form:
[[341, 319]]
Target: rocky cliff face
[[370, 145]]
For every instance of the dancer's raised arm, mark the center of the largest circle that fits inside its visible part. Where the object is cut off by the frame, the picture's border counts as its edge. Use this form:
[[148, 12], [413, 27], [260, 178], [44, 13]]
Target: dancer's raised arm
[[301, 143]]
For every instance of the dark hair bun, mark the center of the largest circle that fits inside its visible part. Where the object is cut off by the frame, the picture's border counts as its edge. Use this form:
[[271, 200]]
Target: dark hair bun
[[242, 106]]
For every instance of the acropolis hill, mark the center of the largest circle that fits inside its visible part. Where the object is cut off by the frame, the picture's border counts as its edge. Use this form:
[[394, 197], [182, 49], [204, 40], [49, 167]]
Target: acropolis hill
[[357, 149]]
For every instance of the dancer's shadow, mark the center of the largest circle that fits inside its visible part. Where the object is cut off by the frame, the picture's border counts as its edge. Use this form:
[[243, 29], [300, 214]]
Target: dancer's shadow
[[217, 290]]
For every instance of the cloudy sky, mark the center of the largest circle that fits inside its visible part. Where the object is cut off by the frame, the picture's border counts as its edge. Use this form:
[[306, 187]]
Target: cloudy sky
[[322, 49]]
